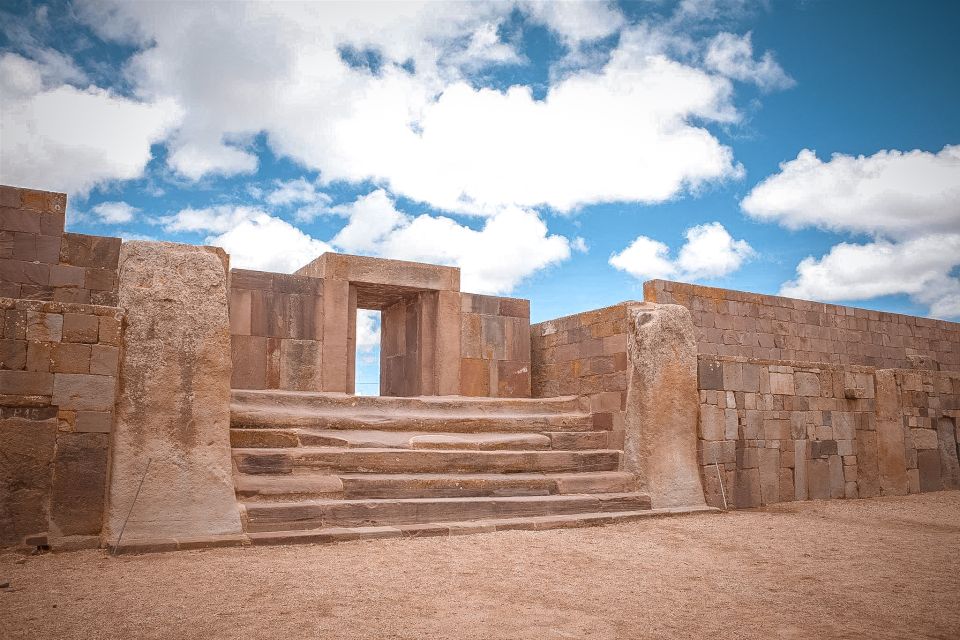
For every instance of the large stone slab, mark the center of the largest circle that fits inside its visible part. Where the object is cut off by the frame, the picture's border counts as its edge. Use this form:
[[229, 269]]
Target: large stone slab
[[891, 455], [26, 457], [174, 406], [663, 405]]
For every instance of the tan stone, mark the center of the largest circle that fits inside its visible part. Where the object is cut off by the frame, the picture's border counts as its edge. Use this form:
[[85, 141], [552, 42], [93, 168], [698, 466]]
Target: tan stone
[[891, 457], [44, 327], [661, 405], [80, 391], [174, 413], [27, 449]]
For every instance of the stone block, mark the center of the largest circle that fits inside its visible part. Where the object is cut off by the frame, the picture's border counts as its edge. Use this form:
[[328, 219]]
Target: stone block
[[782, 384], [470, 340], [769, 467], [62, 275], [79, 484], [712, 422], [43, 327], [176, 345], [109, 330], [79, 391], [928, 464], [93, 422], [751, 378], [787, 489], [949, 463], [661, 403], [80, 327], [27, 449], [26, 383], [709, 374], [807, 384], [336, 321], [100, 279], [70, 358], [82, 250], [301, 365], [513, 379], [104, 359], [891, 456], [474, 377], [746, 488], [13, 354], [837, 481], [818, 476], [925, 438], [801, 457]]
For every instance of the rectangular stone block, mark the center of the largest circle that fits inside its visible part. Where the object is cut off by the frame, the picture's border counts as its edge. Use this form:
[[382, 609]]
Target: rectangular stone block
[[63, 275], [80, 327], [949, 462], [513, 379], [746, 488], [769, 475], [109, 330], [79, 484], [27, 449], [13, 354], [81, 250], [928, 464], [70, 358], [26, 383], [818, 476], [104, 359], [43, 327], [782, 384], [301, 365], [474, 377], [709, 374], [93, 422], [79, 391]]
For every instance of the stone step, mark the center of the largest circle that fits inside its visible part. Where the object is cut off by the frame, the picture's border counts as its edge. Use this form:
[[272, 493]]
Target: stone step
[[316, 514], [361, 438], [333, 402], [264, 417], [428, 485], [346, 460], [490, 525]]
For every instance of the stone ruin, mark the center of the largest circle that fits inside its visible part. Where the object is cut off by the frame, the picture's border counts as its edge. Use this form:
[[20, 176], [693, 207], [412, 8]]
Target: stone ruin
[[152, 398]]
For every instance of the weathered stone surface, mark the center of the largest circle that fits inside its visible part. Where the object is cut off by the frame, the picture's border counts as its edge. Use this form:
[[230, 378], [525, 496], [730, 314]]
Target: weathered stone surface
[[949, 463], [174, 410], [78, 391], [26, 448], [662, 406], [79, 484], [891, 457]]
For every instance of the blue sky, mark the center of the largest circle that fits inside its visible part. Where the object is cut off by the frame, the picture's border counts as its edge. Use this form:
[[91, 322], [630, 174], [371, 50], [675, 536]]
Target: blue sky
[[562, 152]]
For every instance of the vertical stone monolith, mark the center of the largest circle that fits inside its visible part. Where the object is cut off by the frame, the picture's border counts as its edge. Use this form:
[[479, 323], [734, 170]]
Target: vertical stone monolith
[[662, 405], [173, 408]]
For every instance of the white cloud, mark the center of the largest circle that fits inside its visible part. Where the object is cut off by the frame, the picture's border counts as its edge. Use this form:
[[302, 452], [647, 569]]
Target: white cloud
[[908, 201], [732, 55], [630, 131], [114, 212], [253, 238], [69, 139], [512, 244], [368, 330], [709, 252], [919, 267], [894, 194], [300, 191]]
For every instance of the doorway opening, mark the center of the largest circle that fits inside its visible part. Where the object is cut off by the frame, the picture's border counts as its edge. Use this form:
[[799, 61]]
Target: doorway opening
[[367, 372]]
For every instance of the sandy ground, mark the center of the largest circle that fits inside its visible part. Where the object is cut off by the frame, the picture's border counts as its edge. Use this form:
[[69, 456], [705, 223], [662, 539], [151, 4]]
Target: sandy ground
[[884, 568]]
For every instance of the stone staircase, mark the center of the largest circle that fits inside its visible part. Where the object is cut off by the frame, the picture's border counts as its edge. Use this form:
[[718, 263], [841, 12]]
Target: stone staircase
[[323, 467]]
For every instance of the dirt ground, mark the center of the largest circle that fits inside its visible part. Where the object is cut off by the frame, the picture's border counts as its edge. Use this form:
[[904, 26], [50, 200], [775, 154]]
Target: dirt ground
[[883, 568]]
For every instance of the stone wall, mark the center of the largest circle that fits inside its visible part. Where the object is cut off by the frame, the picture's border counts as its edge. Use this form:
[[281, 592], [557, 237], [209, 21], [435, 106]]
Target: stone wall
[[776, 431], [276, 327], [494, 346], [58, 375], [736, 323], [38, 261], [586, 355]]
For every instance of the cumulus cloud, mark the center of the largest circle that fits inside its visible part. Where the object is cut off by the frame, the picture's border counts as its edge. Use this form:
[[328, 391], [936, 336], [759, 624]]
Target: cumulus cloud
[[892, 193], [732, 56], [909, 202], [300, 192], [511, 245], [632, 130], [368, 330], [918, 267], [106, 137], [114, 212], [253, 238], [709, 252]]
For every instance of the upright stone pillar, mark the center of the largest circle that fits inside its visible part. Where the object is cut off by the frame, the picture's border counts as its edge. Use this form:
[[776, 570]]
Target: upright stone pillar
[[662, 406], [891, 452], [173, 409]]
